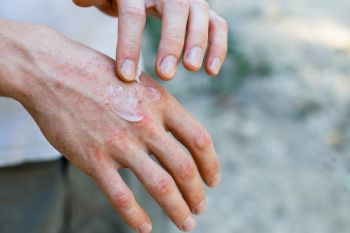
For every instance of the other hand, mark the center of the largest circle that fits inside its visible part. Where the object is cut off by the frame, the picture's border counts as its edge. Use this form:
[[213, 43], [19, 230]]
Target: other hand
[[188, 28]]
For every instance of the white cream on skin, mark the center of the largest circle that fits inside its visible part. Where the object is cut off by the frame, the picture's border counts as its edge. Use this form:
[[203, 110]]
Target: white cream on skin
[[126, 101]]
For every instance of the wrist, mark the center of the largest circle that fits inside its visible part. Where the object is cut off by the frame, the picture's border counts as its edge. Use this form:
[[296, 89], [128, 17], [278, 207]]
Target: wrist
[[8, 63], [19, 44], [13, 64]]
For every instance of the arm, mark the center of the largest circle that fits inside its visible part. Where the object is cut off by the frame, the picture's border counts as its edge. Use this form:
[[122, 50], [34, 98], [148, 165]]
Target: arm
[[101, 124]]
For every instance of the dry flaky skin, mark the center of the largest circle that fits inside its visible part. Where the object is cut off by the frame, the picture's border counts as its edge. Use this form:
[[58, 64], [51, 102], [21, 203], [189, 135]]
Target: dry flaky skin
[[75, 97], [126, 101]]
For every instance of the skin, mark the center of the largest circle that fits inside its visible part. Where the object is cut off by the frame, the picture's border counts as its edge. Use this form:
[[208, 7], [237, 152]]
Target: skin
[[62, 84], [189, 28]]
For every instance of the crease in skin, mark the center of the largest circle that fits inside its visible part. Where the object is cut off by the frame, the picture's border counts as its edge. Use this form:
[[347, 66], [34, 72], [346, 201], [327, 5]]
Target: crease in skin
[[126, 101]]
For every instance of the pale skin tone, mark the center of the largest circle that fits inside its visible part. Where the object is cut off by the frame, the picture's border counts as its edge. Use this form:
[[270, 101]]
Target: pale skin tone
[[62, 83], [189, 29]]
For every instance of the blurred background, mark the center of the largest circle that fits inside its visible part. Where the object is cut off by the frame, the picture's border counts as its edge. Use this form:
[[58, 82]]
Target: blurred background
[[279, 114]]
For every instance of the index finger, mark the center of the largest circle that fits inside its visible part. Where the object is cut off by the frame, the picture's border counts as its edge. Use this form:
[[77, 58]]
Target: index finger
[[131, 24]]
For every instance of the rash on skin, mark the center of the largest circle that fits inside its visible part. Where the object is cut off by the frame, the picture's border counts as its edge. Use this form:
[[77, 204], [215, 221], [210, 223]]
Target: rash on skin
[[126, 100], [122, 99]]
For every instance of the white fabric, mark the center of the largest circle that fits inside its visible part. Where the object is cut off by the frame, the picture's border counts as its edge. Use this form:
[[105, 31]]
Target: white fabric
[[20, 138]]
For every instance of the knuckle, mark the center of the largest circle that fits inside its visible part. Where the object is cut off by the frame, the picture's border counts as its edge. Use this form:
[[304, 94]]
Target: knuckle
[[96, 153], [119, 140], [202, 140], [165, 98], [202, 35], [187, 168], [129, 47], [181, 4], [166, 102], [222, 22], [203, 4], [200, 195], [217, 166], [164, 186], [90, 171], [122, 199], [173, 44], [203, 31], [174, 39], [152, 130], [133, 12], [130, 43], [214, 168], [220, 47], [133, 220]]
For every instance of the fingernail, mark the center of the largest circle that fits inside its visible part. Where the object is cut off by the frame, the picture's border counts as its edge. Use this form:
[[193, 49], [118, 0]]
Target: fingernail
[[216, 180], [215, 65], [200, 208], [145, 228], [195, 57], [168, 66], [128, 69], [189, 224]]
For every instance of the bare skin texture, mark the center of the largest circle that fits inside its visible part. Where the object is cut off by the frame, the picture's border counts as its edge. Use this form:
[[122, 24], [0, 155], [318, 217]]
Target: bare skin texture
[[189, 28], [71, 91]]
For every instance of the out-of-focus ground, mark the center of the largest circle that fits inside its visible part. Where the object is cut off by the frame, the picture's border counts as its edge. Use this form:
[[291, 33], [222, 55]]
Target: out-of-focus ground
[[280, 117]]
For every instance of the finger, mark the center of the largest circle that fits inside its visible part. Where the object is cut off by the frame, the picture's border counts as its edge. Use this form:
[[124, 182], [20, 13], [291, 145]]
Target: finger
[[162, 188], [197, 35], [197, 140], [122, 198], [132, 18], [218, 33], [182, 167], [174, 23]]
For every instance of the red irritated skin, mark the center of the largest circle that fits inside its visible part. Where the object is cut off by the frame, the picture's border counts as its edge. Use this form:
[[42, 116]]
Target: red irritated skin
[[64, 86]]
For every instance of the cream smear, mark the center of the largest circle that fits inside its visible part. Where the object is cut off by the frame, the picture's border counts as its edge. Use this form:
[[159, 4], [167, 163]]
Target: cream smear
[[126, 100]]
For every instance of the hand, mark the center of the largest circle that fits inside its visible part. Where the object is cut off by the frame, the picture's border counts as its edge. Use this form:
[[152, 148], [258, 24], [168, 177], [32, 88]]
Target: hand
[[186, 25], [101, 124]]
